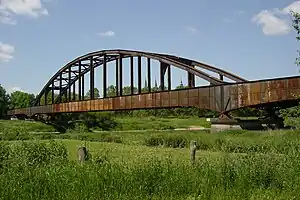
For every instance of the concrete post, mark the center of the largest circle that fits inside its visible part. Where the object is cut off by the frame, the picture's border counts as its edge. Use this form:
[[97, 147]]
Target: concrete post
[[193, 148], [82, 154]]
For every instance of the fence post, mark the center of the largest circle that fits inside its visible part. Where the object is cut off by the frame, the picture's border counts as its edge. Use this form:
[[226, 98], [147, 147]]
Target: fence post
[[82, 154], [193, 148]]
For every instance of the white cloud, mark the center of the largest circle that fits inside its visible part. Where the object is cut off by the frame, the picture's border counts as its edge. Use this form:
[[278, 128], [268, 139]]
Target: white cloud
[[29, 8], [14, 89], [6, 17], [6, 52], [295, 6], [192, 30], [276, 21], [107, 34], [271, 24]]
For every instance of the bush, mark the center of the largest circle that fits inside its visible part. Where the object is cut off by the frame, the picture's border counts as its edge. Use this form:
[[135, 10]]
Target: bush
[[78, 127], [167, 141], [15, 133], [38, 153]]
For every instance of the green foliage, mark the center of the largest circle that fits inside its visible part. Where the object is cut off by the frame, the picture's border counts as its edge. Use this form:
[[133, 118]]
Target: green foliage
[[296, 21], [27, 126], [167, 141], [15, 133], [78, 127], [291, 116], [42, 171], [247, 112], [20, 99], [39, 153], [96, 94], [4, 101]]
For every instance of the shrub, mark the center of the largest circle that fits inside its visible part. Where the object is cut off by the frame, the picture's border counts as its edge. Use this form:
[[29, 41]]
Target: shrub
[[39, 153], [78, 127], [15, 133], [167, 141]]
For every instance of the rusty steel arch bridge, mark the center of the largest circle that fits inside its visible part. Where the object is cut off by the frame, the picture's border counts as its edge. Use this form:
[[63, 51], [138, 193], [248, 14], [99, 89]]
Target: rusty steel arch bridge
[[220, 95]]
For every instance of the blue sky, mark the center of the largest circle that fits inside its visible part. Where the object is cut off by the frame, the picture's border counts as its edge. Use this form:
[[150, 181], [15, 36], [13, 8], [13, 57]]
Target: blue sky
[[253, 38]]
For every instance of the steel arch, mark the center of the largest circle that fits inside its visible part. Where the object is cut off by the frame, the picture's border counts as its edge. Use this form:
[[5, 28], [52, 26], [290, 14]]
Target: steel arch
[[182, 63]]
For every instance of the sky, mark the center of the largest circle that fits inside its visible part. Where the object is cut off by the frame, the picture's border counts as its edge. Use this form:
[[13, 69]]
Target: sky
[[253, 39]]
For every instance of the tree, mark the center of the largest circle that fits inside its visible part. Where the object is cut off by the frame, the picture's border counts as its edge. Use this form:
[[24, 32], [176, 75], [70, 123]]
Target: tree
[[296, 25], [111, 91], [291, 115], [96, 94], [4, 101], [20, 99]]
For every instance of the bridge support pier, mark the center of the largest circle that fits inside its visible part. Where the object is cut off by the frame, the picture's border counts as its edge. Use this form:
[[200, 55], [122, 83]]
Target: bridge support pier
[[218, 125], [225, 122]]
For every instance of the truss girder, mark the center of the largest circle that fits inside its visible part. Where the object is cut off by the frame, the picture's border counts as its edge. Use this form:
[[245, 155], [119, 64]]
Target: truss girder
[[69, 74]]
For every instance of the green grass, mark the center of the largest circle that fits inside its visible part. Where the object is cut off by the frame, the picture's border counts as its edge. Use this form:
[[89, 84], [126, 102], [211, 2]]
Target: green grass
[[129, 153], [232, 142], [155, 123], [151, 165], [124, 124], [28, 126], [43, 171]]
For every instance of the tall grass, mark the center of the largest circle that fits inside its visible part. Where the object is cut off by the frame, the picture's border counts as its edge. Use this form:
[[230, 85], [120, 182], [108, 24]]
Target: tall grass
[[33, 170], [25, 125]]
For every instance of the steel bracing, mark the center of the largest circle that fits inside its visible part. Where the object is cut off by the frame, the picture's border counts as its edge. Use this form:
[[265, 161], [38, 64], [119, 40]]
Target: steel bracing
[[75, 70]]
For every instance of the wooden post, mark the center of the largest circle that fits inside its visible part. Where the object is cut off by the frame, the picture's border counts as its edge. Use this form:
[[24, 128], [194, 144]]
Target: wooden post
[[82, 154], [193, 148]]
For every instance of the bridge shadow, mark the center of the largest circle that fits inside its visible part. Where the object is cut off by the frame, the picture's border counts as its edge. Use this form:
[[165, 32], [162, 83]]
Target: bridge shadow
[[60, 126], [249, 124]]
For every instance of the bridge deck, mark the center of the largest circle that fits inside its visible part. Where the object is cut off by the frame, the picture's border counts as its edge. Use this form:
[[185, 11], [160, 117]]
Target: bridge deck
[[222, 98]]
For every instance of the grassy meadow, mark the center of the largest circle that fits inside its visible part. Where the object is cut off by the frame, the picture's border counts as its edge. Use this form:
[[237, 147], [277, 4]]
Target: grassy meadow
[[149, 164]]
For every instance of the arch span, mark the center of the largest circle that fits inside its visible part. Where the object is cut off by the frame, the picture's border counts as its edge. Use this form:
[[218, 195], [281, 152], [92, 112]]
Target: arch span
[[73, 71]]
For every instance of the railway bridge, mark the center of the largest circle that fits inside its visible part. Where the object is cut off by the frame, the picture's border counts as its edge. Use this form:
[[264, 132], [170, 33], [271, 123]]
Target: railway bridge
[[64, 92]]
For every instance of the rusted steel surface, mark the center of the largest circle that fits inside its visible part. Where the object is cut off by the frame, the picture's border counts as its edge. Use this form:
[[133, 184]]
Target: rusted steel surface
[[221, 98]]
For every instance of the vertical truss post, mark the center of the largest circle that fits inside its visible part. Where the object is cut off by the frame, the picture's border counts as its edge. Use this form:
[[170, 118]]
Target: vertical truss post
[[139, 74], [191, 80], [222, 100], [169, 78], [52, 92], [163, 68], [69, 81], [66, 96], [149, 74], [74, 92], [46, 95], [117, 77], [92, 81], [221, 77], [79, 81], [104, 77], [131, 76], [82, 88], [60, 89], [121, 74]]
